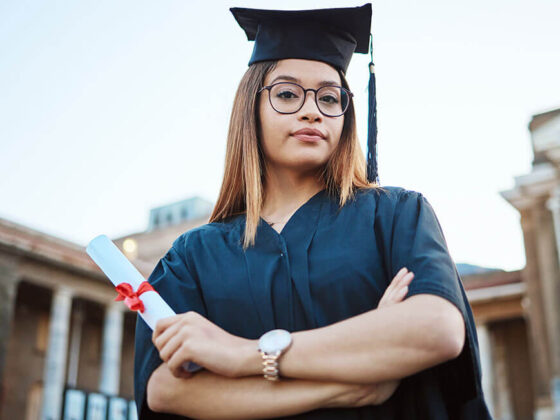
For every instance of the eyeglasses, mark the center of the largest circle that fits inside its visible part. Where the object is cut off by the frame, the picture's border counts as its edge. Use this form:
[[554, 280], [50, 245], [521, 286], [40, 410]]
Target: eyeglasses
[[288, 98]]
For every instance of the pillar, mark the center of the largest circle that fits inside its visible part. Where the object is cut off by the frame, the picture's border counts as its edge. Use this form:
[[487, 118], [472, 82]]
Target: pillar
[[111, 351], [553, 204], [8, 291], [502, 404], [75, 344], [55, 361], [486, 364], [539, 348]]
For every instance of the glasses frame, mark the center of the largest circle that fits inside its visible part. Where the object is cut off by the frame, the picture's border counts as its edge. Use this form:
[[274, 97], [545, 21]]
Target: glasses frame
[[269, 87]]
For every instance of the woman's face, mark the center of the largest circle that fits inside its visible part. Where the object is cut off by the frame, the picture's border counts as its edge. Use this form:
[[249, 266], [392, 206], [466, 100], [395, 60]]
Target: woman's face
[[281, 144]]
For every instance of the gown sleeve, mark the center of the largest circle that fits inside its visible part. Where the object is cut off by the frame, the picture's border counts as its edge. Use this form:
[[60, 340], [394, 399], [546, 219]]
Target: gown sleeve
[[176, 284], [418, 243]]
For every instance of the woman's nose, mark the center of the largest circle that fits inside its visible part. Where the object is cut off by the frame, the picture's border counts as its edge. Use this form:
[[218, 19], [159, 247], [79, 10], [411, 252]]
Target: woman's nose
[[309, 110]]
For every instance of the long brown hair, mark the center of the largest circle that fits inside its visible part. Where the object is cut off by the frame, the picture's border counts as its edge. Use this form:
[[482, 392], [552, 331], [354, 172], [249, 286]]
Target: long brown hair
[[242, 188]]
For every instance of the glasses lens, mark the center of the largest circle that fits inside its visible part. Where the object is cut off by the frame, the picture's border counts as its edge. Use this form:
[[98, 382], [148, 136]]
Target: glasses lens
[[332, 100], [286, 97]]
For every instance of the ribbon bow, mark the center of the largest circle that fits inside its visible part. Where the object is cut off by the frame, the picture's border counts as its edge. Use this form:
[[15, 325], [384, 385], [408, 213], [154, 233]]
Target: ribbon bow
[[132, 298]]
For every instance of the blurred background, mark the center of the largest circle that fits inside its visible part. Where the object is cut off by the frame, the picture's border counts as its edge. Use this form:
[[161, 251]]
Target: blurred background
[[113, 119]]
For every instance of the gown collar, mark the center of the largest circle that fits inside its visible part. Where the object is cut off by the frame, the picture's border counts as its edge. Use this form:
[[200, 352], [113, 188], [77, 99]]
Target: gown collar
[[311, 206], [292, 243]]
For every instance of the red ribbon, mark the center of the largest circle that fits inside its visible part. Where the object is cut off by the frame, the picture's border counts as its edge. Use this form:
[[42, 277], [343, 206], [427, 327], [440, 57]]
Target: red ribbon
[[132, 298]]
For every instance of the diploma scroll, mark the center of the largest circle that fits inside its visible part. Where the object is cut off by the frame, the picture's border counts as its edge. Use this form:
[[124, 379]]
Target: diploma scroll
[[119, 269]]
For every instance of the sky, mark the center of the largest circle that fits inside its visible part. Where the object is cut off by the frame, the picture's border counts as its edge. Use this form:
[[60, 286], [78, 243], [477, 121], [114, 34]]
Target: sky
[[111, 108]]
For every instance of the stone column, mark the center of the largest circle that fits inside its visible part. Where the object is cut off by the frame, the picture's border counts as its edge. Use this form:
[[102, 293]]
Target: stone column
[[553, 204], [111, 353], [533, 304], [502, 406], [8, 291], [75, 343], [55, 361], [486, 365]]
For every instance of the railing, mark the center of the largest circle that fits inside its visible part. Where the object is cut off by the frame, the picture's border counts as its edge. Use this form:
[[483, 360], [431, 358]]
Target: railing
[[84, 405]]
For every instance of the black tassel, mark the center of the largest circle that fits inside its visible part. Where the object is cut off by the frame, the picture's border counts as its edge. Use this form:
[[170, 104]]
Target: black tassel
[[372, 122]]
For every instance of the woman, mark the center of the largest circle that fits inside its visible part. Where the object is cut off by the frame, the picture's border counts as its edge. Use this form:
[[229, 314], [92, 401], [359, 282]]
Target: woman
[[303, 266]]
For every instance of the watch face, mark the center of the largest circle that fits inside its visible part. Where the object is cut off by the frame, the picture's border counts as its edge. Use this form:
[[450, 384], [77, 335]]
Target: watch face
[[275, 340]]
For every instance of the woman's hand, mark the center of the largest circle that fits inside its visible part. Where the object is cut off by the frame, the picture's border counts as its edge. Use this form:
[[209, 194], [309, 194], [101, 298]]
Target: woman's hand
[[398, 288], [376, 394], [190, 337]]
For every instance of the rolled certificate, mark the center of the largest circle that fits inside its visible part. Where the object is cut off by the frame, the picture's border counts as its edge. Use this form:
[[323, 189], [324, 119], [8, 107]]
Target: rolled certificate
[[120, 270]]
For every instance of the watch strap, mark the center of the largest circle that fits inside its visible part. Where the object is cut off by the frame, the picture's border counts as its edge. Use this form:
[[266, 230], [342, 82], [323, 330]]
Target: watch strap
[[270, 365]]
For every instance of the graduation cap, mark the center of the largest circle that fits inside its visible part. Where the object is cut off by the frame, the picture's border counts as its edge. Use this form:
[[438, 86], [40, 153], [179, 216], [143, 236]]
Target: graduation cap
[[327, 35]]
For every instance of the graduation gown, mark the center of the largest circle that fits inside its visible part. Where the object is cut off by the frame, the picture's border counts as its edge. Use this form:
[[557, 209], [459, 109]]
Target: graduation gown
[[327, 265]]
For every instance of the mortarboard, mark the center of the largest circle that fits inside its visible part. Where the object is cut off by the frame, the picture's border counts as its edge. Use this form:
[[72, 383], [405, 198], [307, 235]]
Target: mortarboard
[[327, 35]]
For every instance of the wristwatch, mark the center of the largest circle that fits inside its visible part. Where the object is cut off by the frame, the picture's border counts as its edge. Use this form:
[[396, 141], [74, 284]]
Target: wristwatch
[[271, 346]]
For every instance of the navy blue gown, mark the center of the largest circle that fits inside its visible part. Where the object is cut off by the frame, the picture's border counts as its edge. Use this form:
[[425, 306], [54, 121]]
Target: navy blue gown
[[327, 264]]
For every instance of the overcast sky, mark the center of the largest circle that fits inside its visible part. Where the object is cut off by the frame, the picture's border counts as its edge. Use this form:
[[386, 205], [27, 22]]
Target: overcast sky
[[109, 108]]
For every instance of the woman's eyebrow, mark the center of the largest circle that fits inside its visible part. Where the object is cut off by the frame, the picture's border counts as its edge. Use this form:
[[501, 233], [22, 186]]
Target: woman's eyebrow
[[285, 77], [296, 80], [328, 83]]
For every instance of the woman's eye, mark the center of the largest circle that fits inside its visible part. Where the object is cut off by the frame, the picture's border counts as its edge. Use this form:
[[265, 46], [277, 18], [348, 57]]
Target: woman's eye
[[286, 94], [329, 99]]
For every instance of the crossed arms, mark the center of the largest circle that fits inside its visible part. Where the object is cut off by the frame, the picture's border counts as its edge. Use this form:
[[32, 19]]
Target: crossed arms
[[347, 364]]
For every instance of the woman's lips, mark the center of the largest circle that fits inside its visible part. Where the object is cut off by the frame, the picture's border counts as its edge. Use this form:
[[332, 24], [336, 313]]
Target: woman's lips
[[309, 135], [307, 138]]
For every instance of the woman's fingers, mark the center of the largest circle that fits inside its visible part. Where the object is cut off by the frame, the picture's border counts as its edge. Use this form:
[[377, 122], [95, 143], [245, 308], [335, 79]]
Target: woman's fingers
[[392, 286], [397, 292], [175, 364], [397, 280], [402, 292], [164, 323], [405, 281], [403, 277], [161, 340], [398, 277], [398, 287], [170, 347]]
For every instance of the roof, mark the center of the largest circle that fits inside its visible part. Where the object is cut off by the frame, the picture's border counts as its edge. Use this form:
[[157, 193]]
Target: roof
[[22, 240], [491, 278], [539, 120]]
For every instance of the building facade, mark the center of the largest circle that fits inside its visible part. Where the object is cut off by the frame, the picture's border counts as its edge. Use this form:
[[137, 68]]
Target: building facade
[[536, 196], [66, 347], [65, 342]]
